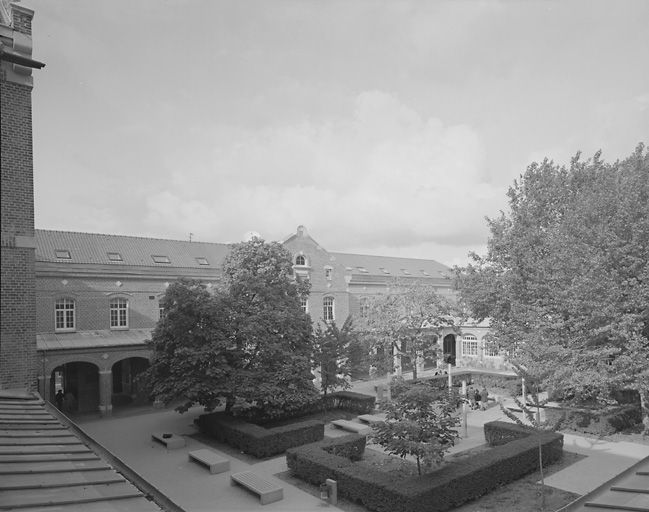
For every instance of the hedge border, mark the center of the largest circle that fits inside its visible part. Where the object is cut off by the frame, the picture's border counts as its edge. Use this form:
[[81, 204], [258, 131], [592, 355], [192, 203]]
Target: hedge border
[[449, 487], [259, 441]]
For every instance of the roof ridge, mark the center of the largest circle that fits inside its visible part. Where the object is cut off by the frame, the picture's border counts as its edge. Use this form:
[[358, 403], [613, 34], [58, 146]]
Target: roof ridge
[[383, 256], [129, 236]]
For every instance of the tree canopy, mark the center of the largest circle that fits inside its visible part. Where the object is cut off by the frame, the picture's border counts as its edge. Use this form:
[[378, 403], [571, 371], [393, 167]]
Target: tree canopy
[[407, 322], [248, 344], [565, 280]]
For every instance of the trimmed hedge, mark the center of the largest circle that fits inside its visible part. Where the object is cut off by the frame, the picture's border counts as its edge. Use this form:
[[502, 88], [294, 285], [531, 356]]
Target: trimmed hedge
[[356, 403], [441, 490], [259, 441]]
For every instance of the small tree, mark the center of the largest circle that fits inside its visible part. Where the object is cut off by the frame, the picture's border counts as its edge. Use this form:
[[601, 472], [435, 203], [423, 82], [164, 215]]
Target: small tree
[[533, 415], [332, 347], [419, 423], [407, 322]]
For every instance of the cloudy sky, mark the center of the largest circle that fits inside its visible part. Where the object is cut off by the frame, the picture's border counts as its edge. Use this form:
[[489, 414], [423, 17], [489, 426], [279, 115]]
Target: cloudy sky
[[385, 127]]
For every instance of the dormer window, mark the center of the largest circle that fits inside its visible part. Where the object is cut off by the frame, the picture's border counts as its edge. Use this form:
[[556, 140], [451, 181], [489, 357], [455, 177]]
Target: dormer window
[[300, 260], [405, 271], [384, 270], [63, 254], [425, 273], [160, 259], [114, 256], [202, 261], [363, 270]]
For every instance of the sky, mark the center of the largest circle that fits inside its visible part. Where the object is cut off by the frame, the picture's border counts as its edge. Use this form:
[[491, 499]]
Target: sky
[[384, 127]]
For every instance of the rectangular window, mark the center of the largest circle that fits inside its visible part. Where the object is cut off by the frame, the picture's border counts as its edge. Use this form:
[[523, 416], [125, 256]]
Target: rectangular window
[[64, 316], [469, 345], [63, 254], [161, 312], [328, 309], [119, 314], [328, 273], [304, 304], [491, 349], [114, 256]]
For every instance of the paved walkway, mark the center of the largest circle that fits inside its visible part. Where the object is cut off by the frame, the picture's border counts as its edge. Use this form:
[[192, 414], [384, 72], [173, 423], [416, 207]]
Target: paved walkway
[[194, 489]]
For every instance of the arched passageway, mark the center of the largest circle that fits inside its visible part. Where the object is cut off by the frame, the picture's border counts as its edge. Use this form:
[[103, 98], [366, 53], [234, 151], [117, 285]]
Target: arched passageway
[[126, 388], [450, 352], [79, 382]]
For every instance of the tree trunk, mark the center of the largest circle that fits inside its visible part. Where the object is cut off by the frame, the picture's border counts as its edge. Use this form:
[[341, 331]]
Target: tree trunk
[[644, 410], [542, 478], [418, 466]]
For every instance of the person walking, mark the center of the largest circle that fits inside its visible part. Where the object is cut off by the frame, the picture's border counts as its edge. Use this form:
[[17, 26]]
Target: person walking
[[477, 398], [484, 396]]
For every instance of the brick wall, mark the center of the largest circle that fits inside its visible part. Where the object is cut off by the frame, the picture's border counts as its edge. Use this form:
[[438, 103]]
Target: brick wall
[[92, 301], [17, 295]]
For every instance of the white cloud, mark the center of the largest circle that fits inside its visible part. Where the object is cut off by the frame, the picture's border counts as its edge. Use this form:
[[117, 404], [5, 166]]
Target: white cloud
[[381, 176]]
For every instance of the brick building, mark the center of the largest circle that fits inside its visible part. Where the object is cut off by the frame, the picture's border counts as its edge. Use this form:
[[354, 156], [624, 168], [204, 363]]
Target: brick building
[[17, 337], [97, 300]]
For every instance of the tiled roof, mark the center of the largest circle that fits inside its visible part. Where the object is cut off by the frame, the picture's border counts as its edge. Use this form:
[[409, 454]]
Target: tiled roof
[[92, 339], [47, 464], [95, 248], [391, 266]]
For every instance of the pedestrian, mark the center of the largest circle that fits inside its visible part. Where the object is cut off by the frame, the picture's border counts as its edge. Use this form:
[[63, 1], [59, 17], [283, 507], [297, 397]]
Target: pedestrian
[[477, 398], [484, 396], [59, 399]]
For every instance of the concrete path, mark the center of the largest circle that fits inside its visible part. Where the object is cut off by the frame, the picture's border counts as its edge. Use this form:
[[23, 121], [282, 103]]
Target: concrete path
[[186, 483]]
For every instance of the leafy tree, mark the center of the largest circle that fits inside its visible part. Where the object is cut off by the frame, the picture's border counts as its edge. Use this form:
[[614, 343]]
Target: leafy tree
[[565, 280], [419, 423], [271, 334], [192, 360], [332, 350], [249, 344], [406, 322]]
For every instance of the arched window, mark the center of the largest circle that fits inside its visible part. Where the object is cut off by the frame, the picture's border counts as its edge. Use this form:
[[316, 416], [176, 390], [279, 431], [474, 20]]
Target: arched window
[[64, 315], [300, 260], [118, 313], [328, 309], [469, 345]]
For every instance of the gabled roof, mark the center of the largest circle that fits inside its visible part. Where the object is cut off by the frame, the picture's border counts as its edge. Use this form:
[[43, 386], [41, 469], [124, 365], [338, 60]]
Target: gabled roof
[[95, 248]]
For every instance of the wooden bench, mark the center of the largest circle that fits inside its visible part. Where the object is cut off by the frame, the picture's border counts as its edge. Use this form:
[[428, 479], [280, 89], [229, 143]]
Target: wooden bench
[[214, 462], [351, 426], [268, 492], [371, 418], [171, 441]]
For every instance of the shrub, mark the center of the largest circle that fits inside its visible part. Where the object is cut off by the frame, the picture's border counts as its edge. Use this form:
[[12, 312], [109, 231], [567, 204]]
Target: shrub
[[597, 422], [256, 440], [357, 403], [438, 491]]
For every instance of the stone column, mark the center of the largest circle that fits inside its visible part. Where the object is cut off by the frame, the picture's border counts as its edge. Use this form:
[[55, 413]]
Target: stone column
[[105, 392], [44, 382]]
